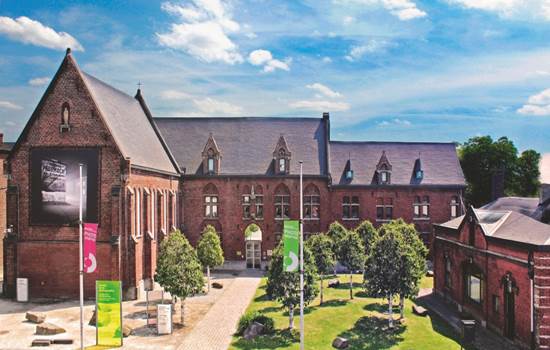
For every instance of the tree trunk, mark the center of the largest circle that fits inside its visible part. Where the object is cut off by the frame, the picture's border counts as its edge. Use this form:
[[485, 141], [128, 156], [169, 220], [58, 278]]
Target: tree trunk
[[208, 279], [351, 285], [390, 310], [401, 306], [182, 306], [291, 317], [322, 276]]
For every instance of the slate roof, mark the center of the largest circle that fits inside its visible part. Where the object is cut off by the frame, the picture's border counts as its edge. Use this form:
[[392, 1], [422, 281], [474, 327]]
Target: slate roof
[[522, 205], [6, 147], [130, 126], [508, 225], [247, 143], [439, 162]]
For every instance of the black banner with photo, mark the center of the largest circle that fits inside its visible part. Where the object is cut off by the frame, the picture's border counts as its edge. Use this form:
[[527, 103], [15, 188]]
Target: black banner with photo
[[55, 187]]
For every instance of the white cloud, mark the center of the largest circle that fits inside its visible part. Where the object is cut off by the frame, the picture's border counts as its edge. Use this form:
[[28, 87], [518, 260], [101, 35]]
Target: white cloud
[[210, 105], [510, 8], [348, 20], [405, 10], [325, 90], [320, 105], [538, 104], [265, 58], [327, 59], [29, 31], [204, 32], [374, 45], [174, 95], [395, 122], [9, 105], [39, 81]]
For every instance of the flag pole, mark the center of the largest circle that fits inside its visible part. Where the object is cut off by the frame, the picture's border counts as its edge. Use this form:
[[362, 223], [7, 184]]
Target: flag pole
[[80, 262], [301, 258]]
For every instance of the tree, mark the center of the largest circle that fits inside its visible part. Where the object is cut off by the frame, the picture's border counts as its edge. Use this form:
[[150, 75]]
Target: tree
[[285, 286], [382, 275], [209, 250], [368, 234], [528, 173], [481, 158], [413, 266], [351, 254], [336, 232], [320, 246], [178, 268]]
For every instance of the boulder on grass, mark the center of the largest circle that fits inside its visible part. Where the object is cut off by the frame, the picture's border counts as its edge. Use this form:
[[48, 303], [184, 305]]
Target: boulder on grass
[[35, 317], [217, 285], [334, 283], [127, 331], [48, 329], [419, 310], [340, 343], [254, 330], [41, 342]]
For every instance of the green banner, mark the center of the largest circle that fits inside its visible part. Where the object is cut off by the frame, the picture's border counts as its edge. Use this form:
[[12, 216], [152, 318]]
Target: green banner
[[291, 245], [109, 313]]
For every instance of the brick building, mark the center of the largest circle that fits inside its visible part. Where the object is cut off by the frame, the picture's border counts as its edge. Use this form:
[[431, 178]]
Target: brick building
[[4, 151], [145, 177], [495, 266]]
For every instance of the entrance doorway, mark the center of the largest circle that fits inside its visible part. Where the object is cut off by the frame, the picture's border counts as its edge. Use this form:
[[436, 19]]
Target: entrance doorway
[[253, 249]]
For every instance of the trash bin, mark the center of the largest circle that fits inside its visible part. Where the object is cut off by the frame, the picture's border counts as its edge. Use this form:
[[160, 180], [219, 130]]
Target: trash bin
[[468, 331]]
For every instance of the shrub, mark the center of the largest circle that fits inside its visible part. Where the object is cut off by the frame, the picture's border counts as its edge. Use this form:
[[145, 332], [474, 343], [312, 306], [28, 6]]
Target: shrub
[[251, 317]]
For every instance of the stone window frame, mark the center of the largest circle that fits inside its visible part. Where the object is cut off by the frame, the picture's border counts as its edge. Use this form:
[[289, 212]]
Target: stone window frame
[[312, 202], [211, 202], [138, 213], [456, 207], [421, 207], [470, 270], [384, 206], [146, 212], [447, 271], [350, 204], [282, 202], [246, 204]]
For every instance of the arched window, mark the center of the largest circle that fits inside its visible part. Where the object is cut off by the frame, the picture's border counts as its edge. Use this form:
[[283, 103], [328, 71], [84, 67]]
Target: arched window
[[448, 271], [211, 201], [312, 202], [282, 202], [455, 207], [474, 282]]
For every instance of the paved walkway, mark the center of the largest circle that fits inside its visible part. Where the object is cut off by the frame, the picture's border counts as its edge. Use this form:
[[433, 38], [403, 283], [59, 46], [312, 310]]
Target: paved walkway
[[485, 339], [216, 329]]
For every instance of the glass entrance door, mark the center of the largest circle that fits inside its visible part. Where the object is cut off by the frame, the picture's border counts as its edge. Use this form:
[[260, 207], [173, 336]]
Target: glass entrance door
[[253, 254]]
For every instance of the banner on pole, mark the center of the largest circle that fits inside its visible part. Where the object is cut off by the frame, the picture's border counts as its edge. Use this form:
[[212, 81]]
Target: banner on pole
[[291, 245], [90, 235], [109, 313]]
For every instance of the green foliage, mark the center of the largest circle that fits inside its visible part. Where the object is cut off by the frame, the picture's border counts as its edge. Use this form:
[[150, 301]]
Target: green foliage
[[250, 317], [336, 232], [320, 246], [351, 251], [368, 234], [285, 286], [481, 157], [209, 249], [178, 268], [250, 229]]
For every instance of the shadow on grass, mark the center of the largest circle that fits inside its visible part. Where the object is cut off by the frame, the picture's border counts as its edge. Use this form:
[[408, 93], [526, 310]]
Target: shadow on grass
[[263, 297], [279, 339], [346, 286], [333, 303], [362, 294], [381, 308], [371, 333]]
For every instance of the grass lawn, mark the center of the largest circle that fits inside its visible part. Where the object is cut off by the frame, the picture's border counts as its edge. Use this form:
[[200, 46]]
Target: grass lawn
[[358, 320]]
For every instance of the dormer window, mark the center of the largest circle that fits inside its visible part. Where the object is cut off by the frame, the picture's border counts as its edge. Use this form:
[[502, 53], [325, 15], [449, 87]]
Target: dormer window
[[384, 176], [211, 157], [65, 118], [281, 156], [383, 170]]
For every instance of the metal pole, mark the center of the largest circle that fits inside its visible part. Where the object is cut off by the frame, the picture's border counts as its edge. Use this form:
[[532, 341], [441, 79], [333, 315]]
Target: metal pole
[[80, 262], [301, 258]]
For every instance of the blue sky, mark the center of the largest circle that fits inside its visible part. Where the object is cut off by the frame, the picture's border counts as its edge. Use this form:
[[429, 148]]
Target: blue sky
[[403, 70]]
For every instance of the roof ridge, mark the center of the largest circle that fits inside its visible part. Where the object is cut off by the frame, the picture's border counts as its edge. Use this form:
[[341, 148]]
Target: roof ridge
[[290, 118], [392, 142]]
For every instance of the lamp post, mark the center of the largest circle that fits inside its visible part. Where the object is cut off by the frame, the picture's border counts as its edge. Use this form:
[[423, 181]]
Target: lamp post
[[301, 258]]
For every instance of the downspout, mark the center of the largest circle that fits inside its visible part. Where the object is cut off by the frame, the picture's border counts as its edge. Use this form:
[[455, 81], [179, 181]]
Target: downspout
[[531, 275]]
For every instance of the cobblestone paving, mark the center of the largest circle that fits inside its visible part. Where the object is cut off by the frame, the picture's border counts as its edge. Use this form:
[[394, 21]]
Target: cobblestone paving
[[215, 330]]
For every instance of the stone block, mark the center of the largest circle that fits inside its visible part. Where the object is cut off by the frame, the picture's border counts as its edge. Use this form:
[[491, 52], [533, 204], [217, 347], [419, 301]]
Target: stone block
[[48, 329], [35, 317], [340, 343]]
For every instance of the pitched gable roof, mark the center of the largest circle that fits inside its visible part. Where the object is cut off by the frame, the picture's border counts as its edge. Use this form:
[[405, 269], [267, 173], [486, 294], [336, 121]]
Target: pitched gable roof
[[439, 162], [247, 143]]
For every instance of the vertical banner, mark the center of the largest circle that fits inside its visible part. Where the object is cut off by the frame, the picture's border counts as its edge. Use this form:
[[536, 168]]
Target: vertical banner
[[291, 245], [90, 235], [109, 313]]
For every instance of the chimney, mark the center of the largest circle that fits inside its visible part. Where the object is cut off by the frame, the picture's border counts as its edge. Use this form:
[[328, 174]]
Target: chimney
[[497, 184], [1, 138]]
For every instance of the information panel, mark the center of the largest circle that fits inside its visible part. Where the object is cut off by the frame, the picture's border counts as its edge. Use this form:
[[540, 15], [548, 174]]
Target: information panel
[[164, 319], [109, 313]]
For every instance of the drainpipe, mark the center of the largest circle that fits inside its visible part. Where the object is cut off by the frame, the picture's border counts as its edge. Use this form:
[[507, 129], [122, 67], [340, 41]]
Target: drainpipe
[[531, 275]]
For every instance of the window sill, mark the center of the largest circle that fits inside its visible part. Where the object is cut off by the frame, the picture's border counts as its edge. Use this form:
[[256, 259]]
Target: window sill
[[135, 238], [312, 219], [281, 219], [383, 220], [422, 219], [351, 219], [211, 218]]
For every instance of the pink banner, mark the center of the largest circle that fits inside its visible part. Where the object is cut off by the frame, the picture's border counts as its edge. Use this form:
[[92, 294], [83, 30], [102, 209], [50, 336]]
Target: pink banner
[[90, 235]]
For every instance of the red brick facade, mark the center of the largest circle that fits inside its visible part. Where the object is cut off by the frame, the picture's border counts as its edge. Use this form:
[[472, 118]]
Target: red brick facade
[[506, 304]]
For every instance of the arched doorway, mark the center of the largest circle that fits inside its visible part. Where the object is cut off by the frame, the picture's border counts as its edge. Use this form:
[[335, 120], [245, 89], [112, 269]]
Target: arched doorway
[[510, 290], [253, 248]]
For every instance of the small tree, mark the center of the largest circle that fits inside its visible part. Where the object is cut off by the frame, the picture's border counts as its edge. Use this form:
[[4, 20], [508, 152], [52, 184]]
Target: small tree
[[320, 246], [351, 254], [336, 232], [382, 269], [209, 251], [285, 286], [178, 268], [368, 234]]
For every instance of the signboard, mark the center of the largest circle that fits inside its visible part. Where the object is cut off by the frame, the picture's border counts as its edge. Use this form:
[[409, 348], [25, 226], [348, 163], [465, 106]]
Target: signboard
[[164, 319], [90, 235], [291, 244], [23, 289], [109, 313], [55, 185]]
